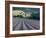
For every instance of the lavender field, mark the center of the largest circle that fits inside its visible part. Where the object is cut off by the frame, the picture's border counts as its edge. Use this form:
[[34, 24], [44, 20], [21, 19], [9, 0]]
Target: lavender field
[[26, 18], [25, 24]]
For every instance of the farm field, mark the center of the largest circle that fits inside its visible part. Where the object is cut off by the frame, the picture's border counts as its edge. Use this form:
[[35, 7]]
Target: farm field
[[25, 24]]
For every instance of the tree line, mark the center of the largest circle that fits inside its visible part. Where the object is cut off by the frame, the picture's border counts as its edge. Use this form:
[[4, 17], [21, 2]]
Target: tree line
[[32, 16]]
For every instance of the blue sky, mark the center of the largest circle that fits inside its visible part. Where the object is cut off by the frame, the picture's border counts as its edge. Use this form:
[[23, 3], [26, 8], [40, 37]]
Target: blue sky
[[35, 10]]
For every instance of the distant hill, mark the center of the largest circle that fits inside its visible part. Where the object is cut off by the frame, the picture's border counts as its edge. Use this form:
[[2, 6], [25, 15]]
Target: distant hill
[[20, 12]]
